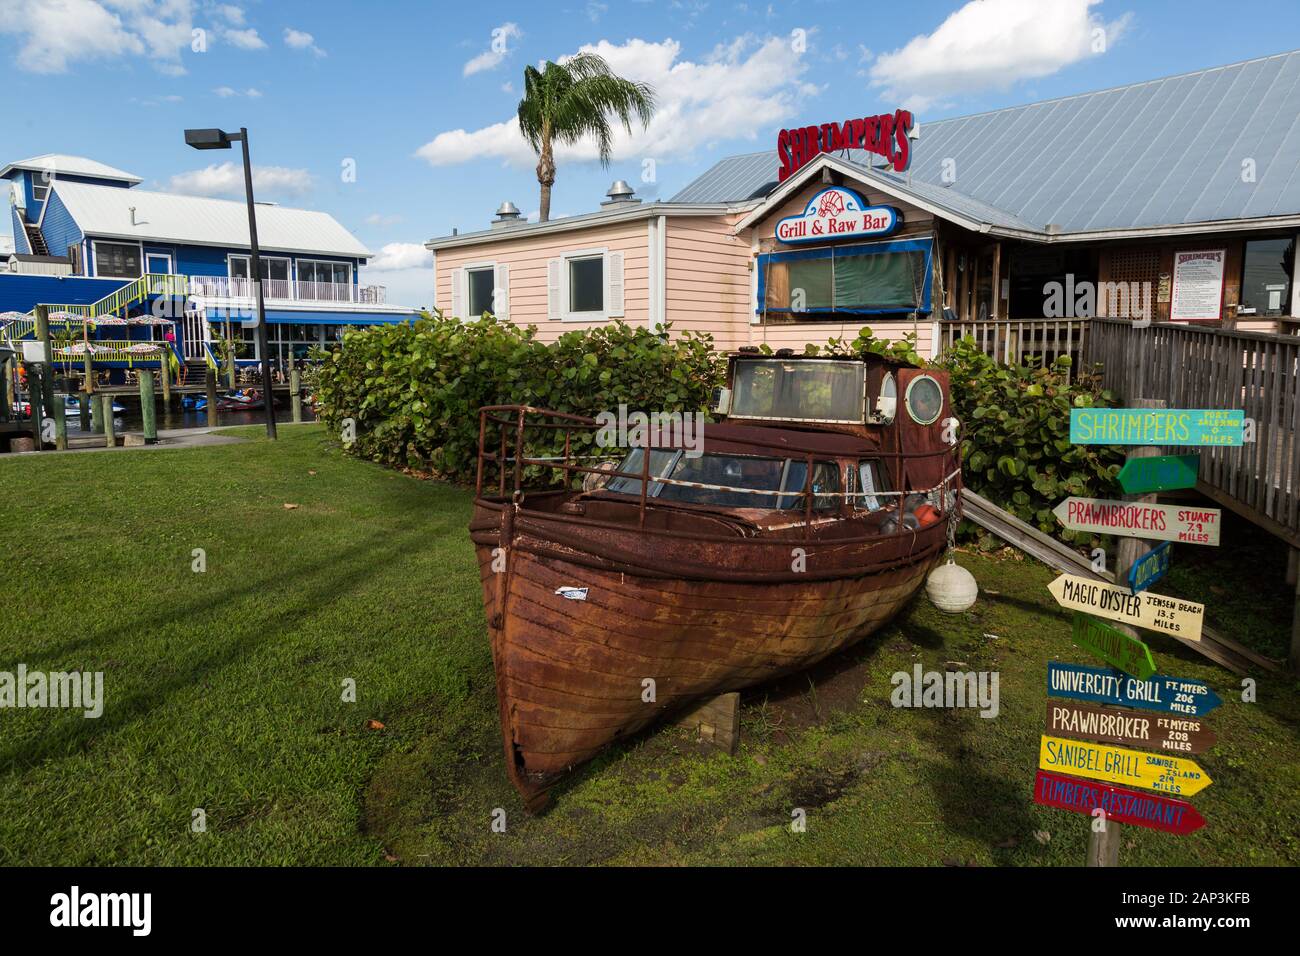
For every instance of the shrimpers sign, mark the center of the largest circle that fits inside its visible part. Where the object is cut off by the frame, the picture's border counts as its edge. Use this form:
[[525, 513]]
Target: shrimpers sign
[[838, 213], [885, 135]]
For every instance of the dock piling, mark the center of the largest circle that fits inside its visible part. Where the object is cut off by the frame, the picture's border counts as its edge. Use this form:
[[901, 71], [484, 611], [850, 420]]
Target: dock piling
[[106, 416], [295, 393], [210, 385], [148, 411]]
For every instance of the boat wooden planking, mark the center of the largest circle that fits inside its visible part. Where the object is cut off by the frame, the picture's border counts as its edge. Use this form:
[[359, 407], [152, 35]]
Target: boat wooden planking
[[611, 607]]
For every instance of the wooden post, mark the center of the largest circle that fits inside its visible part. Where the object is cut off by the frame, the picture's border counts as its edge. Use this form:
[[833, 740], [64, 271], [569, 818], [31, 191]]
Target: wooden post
[[1103, 848], [210, 386], [35, 372], [83, 407], [96, 411], [7, 387], [60, 420], [165, 375], [48, 398], [995, 312], [148, 410], [106, 414], [717, 721], [295, 392]]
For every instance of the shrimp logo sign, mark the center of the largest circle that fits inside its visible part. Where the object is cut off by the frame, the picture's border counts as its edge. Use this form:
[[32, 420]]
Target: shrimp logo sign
[[838, 213]]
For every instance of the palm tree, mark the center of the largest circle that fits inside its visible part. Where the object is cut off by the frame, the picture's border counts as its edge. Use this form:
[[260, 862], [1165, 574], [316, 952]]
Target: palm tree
[[565, 102]]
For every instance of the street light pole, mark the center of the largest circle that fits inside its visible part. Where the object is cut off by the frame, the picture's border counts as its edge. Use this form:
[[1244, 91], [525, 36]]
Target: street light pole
[[219, 139], [255, 267]]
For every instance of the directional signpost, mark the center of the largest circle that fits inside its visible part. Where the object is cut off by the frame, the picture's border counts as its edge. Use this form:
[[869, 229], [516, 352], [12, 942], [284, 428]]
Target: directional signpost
[[1119, 805], [1170, 695], [1149, 568], [1154, 612], [1137, 519], [1159, 473], [1131, 728], [1157, 426], [1113, 646], [1176, 775]]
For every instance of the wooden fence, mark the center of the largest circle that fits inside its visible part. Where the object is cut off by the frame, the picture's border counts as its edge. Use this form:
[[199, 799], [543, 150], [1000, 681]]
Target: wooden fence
[[1030, 342], [1195, 367]]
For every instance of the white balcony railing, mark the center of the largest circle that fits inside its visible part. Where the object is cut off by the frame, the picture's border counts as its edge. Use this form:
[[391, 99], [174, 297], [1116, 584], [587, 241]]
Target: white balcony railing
[[285, 290]]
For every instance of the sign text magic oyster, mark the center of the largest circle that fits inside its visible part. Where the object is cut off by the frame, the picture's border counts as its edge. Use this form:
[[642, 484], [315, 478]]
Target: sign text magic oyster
[[885, 135]]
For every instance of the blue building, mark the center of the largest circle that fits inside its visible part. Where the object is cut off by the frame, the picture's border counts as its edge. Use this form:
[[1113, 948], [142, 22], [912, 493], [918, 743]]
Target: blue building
[[141, 266]]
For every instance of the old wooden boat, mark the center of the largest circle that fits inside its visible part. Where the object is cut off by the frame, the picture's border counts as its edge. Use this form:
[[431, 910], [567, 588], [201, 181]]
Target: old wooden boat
[[815, 508]]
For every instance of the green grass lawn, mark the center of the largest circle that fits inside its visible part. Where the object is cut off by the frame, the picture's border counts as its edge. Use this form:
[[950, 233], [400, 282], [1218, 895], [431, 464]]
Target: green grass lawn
[[224, 692]]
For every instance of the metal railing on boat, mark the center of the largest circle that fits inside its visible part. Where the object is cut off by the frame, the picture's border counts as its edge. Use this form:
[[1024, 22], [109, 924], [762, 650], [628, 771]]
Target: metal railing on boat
[[567, 422]]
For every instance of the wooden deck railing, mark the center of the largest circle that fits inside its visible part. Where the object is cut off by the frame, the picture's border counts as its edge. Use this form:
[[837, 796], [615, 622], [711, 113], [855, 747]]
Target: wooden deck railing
[[1195, 367], [1031, 342]]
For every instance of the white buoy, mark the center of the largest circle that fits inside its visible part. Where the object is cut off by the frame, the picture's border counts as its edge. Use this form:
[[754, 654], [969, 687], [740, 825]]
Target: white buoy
[[951, 588]]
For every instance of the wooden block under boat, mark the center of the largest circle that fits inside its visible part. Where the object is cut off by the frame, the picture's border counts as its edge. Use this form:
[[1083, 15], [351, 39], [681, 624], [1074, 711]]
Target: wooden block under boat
[[717, 721]]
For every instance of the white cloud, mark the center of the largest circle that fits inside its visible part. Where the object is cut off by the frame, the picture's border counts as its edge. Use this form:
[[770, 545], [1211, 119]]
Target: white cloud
[[991, 44], [227, 179], [231, 13], [299, 40], [378, 219], [496, 52], [225, 92], [742, 87], [55, 33], [395, 256], [244, 39]]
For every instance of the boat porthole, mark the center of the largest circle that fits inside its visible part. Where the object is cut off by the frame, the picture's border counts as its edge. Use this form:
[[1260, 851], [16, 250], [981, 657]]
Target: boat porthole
[[924, 400]]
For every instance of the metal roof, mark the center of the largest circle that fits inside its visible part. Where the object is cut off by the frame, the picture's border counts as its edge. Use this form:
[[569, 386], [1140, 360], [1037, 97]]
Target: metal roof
[[1159, 153], [71, 166], [105, 211]]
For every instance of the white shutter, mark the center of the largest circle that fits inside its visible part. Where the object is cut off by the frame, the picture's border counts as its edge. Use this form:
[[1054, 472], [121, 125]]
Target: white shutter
[[458, 293], [614, 285], [554, 301], [501, 293]]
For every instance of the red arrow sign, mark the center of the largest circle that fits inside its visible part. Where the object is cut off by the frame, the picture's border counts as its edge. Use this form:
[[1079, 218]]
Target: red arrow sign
[[1121, 805]]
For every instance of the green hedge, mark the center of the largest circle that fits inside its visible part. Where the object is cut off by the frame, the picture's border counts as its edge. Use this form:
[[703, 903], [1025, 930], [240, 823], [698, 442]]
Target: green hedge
[[1016, 448], [413, 391]]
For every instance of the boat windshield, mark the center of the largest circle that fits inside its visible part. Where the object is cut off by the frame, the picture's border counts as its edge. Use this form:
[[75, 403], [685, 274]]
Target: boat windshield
[[783, 477], [799, 390]]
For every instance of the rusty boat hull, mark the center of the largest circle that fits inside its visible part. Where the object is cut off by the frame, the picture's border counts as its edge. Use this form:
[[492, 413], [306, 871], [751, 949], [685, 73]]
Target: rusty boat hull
[[655, 620]]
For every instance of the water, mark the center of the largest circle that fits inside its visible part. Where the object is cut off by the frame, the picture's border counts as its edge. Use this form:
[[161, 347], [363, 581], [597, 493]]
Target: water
[[132, 420]]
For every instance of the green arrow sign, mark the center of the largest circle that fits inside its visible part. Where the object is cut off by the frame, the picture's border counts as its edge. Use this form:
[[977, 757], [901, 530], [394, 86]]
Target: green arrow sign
[[1159, 473], [1113, 646]]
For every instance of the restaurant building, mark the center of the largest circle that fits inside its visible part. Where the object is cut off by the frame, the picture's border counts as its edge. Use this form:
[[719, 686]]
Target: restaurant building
[[1175, 199]]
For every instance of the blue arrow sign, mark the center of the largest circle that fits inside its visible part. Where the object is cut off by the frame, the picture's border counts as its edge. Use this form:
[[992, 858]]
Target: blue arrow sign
[[1172, 695], [1149, 568]]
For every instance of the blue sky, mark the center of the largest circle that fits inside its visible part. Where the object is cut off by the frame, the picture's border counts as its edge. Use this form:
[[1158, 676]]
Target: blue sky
[[418, 97]]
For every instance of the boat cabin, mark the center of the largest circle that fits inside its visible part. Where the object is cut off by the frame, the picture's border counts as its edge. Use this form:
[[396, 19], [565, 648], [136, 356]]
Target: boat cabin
[[802, 441]]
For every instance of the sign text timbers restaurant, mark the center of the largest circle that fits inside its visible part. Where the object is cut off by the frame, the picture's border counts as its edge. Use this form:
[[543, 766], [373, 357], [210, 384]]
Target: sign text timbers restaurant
[[1170, 200]]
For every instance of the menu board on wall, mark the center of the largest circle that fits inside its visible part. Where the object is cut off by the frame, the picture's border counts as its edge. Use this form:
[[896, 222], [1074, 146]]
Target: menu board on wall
[[1198, 286]]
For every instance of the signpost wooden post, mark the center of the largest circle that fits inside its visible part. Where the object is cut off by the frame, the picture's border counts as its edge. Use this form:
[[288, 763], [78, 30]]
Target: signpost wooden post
[[1141, 519], [1130, 728], [1159, 473], [1114, 646]]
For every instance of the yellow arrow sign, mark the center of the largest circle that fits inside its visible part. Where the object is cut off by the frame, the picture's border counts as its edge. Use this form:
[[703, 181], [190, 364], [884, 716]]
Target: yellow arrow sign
[[1155, 612], [1136, 768]]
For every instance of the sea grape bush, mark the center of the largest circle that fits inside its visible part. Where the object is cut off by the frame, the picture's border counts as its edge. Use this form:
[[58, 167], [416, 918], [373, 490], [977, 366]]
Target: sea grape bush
[[414, 391], [1015, 444]]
